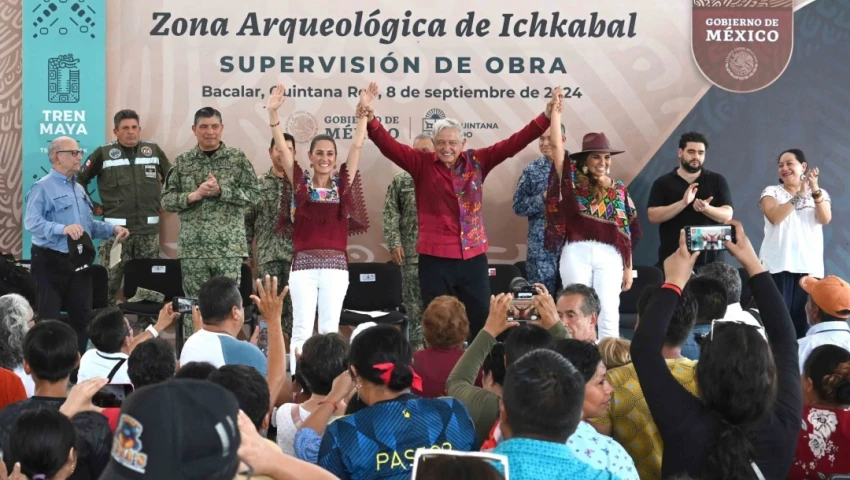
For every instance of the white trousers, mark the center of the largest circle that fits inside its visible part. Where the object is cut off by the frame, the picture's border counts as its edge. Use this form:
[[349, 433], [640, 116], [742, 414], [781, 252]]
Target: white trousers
[[309, 288], [600, 266]]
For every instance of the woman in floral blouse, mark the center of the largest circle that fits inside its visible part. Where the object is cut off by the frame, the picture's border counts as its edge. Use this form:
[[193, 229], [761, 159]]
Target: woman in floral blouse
[[593, 217], [327, 207], [823, 448]]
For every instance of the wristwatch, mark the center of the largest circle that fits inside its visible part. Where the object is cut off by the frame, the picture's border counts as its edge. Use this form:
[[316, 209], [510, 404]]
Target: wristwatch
[[154, 333]]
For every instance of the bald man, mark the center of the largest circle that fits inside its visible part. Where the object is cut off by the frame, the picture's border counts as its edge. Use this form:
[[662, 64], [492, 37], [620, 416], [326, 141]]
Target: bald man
[[58, 209]]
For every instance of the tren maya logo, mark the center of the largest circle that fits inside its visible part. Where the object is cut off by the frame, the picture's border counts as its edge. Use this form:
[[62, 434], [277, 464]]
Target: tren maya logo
[[742, 45]]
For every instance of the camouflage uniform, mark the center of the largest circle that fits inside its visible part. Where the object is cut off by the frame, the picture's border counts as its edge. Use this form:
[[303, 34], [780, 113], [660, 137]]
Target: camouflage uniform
[[274, 252], [129, 181], [212, 230], [401, 229]]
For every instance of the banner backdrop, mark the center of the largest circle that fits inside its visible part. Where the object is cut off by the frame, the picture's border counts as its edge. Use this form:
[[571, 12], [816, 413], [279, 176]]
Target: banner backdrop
[[627, 68], [64, 71]]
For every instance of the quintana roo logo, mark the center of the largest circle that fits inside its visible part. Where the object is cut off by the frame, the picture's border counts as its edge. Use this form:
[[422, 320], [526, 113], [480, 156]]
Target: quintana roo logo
[[430, 119], [742, 45]]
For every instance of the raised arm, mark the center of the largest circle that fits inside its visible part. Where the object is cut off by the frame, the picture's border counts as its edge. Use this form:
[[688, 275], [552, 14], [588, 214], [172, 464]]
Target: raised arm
[[555, 137], [275, 101], [777, 325], [364, 111], [490, 157], [669, 402]]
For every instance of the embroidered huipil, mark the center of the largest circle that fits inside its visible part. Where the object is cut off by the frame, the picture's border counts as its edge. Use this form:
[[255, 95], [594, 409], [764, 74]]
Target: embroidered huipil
[[573, 214], [448, 199], [319, 220]]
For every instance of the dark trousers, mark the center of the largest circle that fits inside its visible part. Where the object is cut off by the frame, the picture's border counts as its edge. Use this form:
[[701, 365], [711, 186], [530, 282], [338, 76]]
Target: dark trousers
[[468, 280], [61, 288], [795, 299]]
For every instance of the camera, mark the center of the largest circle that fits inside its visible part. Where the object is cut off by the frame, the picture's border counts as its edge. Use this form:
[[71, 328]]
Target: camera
[[183, 304], [521, 309]]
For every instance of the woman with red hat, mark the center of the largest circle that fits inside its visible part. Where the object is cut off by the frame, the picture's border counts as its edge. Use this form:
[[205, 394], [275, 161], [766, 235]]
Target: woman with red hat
[[594, 218]]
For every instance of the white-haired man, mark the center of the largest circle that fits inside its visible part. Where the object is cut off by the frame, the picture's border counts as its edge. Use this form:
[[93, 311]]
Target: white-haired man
[[452, 242], [59, 213]]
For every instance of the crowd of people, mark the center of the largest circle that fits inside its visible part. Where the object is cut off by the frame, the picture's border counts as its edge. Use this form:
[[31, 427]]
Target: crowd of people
[[708, 388]]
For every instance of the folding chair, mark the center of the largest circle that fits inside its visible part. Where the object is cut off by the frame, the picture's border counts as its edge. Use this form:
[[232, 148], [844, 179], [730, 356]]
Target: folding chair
[[374, 288]]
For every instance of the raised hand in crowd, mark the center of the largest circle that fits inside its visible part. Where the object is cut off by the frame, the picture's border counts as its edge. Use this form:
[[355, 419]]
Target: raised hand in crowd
[[16, 472], [497, 322], [166, 318], [743, 250], [545, 306], [80, 398], [270, 304], [679, 266]]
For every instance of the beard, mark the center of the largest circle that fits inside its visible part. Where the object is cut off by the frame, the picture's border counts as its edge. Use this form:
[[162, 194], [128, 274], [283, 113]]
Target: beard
[[686, 166]]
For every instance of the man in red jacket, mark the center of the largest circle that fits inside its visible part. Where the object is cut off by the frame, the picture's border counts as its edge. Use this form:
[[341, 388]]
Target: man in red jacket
[[449, 191]]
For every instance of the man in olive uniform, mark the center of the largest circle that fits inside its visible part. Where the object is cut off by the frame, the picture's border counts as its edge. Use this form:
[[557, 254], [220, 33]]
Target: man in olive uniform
[[401, 232], [210, 187], [274, 252], [129, 175]]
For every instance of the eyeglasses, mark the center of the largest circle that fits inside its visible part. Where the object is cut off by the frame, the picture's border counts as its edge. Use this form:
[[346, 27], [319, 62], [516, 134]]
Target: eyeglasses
[[73, 153]]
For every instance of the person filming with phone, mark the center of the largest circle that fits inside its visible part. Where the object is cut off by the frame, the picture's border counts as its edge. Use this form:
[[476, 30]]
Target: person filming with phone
[[795, 212]]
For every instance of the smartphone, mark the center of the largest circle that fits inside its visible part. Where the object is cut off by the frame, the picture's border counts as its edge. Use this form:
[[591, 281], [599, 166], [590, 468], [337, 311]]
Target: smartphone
[[112, 395], [521, 309], [709, 237], [183, 304], [263, 338]]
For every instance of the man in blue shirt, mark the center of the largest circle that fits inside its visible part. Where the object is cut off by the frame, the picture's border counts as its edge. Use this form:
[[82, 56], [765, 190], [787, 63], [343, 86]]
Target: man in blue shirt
[[529, 201], [541, 407], [58, 208]]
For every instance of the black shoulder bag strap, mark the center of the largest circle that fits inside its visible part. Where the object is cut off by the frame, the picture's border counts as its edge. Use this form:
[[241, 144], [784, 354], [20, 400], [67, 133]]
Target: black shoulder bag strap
[[115, 369]]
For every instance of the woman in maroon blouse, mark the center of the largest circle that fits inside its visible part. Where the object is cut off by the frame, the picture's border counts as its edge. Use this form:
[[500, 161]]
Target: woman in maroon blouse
[[327, 207]]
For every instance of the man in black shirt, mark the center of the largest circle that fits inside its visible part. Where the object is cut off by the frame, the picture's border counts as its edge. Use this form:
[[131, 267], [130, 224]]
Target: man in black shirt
[[689, 196], [50, 354]]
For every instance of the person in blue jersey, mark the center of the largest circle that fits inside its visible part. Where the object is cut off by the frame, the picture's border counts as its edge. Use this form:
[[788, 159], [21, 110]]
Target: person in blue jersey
[[541, 408], [379, 442]]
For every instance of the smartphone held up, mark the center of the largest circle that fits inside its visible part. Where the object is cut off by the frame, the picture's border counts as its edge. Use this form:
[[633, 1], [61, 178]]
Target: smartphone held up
[[709, 237]]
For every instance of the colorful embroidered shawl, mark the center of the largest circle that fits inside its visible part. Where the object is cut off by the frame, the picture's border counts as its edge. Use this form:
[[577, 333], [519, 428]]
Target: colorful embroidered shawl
[[350, 205], [574, 214]]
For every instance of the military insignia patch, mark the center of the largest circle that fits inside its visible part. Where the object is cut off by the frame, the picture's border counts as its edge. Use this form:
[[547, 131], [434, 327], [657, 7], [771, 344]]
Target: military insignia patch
[[114, 153], [147, 151]]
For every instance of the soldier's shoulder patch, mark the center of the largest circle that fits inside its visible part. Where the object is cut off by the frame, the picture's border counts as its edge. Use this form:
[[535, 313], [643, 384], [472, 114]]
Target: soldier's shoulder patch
[[147, 151], [114, 153]]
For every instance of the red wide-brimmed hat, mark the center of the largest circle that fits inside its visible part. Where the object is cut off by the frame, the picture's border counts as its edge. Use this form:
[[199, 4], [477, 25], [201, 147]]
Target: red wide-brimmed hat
[[595, 142]]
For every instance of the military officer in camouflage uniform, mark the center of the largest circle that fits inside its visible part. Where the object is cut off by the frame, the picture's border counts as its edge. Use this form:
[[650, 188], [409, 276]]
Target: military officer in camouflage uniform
[[401, 232], [274, 252], [129, 175], [210, 187]]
